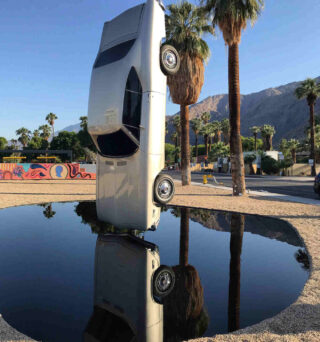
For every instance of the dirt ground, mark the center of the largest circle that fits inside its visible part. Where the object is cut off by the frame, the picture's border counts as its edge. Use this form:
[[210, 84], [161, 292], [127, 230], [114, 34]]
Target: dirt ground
[[299, 322]]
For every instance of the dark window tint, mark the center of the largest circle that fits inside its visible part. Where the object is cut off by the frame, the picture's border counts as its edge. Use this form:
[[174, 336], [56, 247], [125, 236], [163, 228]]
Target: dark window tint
[[114, 54], [116, 144], [131, 117]]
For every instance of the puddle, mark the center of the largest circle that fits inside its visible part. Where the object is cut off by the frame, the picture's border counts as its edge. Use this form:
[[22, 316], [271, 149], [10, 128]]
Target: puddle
[[66, 277]]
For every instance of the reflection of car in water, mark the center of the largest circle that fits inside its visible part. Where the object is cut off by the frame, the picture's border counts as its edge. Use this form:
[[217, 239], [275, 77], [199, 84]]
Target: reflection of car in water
[[126, 116], [129, 286], [316, 186]]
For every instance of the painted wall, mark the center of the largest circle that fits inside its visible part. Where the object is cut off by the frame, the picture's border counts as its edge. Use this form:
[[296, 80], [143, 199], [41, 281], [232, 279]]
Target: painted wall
[[21, 171]]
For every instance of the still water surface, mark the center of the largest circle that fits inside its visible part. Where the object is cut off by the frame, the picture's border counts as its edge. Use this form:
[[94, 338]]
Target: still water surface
[[231, 271]]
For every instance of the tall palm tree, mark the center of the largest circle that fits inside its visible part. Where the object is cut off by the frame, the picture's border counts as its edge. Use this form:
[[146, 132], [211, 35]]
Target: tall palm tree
[[45, 132], [174, 138], [24, 135], [225, 126], [237, 229], [185, 25], [51, 117], [255, 130], [231, 16], [267, 132], [211, 129], [36, 133], [310, 90], [196, 126], [292, 145]]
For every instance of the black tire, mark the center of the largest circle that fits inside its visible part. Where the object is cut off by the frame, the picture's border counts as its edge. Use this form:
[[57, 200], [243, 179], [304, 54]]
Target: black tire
[[163, 281], [163, 189], [169, 60]]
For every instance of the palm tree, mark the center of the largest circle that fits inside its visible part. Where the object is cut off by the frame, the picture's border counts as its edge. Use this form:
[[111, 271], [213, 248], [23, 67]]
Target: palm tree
[[13, 143], [231, 16], [196, 126], [237, 229], [185, 25], [205, 117], [267, 132], [205, 131], [84, 122], [174, 138], [211, 129], [225, 126], [24, 135], [51, 117], [255, 130], [217, 128], [310, 90], [45, 132], [292, 145]]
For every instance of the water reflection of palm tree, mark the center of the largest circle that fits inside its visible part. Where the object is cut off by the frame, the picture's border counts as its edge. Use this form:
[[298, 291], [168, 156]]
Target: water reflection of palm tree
[[184, 313], [48, 212], [237, 229]]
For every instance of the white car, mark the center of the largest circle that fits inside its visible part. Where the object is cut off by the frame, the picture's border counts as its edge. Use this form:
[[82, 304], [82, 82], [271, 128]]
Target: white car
[[129, 285], [126, 116]]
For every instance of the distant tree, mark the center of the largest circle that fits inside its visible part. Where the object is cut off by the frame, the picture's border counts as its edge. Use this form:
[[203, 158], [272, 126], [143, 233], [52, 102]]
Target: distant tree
[[177, 127], [267, 132], [36, 133], [219, 150], [185, 25], [51, 117], [13, 144], [196, 126], [293, 144], [169, 152], [45, 132], [310, 90], [24, 135], [248, 144], [217, 128], [255, 130], [67, 141], [205, 131], [225, 126], [3, 143], [37, 143], [211, 129], [205, 117], [84, 136]]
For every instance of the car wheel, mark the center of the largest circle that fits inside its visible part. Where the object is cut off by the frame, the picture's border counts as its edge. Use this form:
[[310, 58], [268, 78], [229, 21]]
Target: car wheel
[[163, 283], [169, 60], [163, 189]]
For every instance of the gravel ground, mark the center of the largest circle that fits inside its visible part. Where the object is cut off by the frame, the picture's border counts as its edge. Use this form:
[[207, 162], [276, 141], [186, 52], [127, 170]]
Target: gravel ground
[[299, 322]]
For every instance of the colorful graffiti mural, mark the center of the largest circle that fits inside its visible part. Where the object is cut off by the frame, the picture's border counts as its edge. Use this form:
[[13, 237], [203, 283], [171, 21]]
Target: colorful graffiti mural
[[20, 171]]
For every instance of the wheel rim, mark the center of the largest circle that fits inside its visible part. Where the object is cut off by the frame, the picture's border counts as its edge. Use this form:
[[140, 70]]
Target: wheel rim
[[170, 59], [164, 189], [164, 281]]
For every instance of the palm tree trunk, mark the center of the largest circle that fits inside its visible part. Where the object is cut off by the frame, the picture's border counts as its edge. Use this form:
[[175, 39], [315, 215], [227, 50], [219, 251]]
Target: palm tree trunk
[[237, 162], [184, 237], [185, 145], [210, 144], [196, 147], [218, 136], [237, 229], [312, 141]]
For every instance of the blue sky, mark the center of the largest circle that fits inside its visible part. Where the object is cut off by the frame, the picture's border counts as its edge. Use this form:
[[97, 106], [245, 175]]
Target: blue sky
[[48, 48]]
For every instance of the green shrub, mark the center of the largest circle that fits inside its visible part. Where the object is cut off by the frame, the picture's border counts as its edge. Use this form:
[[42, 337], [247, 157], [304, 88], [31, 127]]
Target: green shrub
[[269, 165]]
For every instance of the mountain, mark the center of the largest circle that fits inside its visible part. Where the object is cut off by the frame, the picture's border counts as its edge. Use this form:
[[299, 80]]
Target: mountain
[[72, 128], [275, 106]]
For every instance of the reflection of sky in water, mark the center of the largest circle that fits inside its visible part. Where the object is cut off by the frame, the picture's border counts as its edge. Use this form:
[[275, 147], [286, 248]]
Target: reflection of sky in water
[[47, 270]]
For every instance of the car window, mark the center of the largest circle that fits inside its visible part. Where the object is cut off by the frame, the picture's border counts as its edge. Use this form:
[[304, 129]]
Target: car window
[[117, 144], [131, 116], [114, 54]]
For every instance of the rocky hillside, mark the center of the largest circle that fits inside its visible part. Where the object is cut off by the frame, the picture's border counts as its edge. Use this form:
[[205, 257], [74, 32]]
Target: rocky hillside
[[275, 106]]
